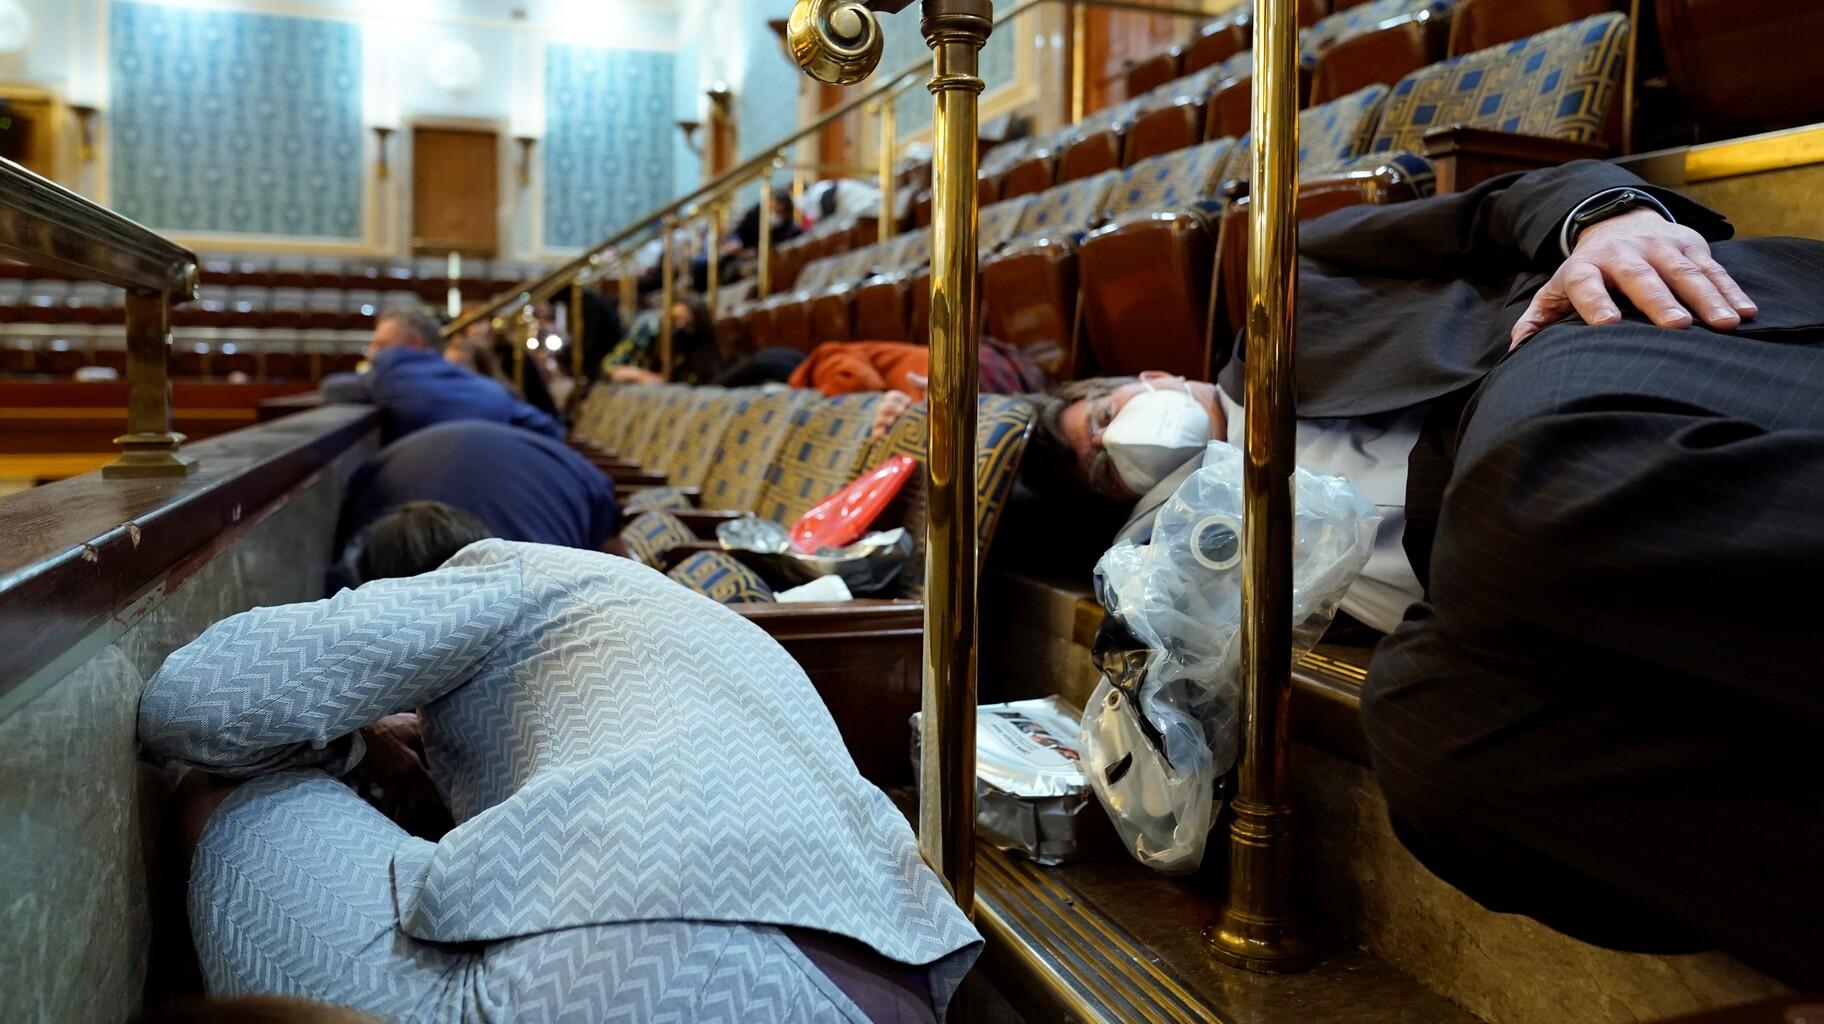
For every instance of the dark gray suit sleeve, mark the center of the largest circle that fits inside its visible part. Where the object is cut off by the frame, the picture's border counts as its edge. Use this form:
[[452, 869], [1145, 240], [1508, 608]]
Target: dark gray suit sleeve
[[349, 388], [1506, 224]]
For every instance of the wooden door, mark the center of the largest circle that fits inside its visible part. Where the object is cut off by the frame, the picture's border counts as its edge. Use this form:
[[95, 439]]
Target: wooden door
[[455, 191], [1116, 41], [28, 133]]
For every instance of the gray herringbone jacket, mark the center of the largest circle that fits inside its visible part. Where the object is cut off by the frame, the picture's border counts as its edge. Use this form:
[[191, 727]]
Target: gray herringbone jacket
[[614, 749]]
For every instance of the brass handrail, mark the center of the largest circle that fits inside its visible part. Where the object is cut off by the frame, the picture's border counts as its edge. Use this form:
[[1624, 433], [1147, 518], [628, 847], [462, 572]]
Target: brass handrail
[[542, 288], [46, 225]]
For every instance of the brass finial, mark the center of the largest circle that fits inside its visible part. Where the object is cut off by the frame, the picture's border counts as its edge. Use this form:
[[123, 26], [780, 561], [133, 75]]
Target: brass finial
[[835, 41]]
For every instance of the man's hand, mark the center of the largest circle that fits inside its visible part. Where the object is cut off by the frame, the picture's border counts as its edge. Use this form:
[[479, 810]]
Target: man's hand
[[1664, 269]]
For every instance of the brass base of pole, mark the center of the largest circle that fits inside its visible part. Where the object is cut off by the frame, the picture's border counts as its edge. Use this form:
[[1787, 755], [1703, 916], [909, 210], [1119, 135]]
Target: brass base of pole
[[1260, 875], [149, 455]]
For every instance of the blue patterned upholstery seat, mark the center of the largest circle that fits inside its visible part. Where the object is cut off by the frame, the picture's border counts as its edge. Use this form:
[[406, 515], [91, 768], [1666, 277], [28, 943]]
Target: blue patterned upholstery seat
[[1003, 424], [623, 416], [1068, 210], [1185, 177], [1559, 84], [654, 446], [696, 446], [1330, 135], [654, 533], [996, 225], [820, 456], [718, 576], [732, 475], [1335, 28]]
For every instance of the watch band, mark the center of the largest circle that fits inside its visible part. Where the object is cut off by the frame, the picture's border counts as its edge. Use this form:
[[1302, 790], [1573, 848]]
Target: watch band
[[1603, 206]]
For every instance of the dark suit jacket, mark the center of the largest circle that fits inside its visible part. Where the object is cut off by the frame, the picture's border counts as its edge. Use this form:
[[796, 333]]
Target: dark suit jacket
[[1406, 303], [1413, 303]]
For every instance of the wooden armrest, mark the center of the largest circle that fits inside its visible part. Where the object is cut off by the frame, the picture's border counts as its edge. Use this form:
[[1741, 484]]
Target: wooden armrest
[[1465, 157], [703, 522], [863, 657], [636, 477], [674, 556], [822, 620], [622, 490]]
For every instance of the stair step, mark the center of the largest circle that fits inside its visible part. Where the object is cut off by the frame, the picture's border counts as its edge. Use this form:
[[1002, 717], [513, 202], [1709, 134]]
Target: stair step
[[1504, 968], [1113, 941]]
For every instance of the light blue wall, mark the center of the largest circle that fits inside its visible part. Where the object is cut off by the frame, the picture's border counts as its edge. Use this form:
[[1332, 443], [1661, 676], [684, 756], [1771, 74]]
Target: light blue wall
[[767, 95], [905, 45], [686, 166], [234, 122], [607, 155]]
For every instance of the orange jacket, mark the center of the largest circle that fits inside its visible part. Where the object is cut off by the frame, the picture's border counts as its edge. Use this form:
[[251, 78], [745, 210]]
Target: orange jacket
[[842, 367]]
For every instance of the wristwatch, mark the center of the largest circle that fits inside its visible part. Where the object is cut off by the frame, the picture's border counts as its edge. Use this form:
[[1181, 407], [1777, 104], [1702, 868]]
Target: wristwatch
[[1604, 205]]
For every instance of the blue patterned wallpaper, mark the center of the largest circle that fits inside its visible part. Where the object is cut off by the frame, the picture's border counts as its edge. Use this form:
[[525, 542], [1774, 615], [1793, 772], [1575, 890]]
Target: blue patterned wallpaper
[[905, 44], [766, 98], [607, 150], [240, 123]]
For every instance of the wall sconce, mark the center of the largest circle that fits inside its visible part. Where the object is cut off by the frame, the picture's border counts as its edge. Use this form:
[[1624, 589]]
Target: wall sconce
[[778, 26], [689, 128], [720, 95], [526, 142], [85, 126], [381, 134]]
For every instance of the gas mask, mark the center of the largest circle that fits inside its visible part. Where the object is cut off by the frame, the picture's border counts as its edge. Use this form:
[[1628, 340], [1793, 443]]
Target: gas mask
[[1162, 727], [1154, 434]]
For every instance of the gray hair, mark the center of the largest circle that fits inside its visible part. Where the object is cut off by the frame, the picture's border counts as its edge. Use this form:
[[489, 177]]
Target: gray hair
[[418, 322]]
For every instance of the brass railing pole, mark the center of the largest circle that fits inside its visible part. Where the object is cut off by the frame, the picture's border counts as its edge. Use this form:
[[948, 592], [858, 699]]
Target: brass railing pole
[[886, 125], [667, 282], [528, 336], [712, 282], [1079, 60], [955, 31], [763, 284], [150, 446], [1256, 928], [576, 329]]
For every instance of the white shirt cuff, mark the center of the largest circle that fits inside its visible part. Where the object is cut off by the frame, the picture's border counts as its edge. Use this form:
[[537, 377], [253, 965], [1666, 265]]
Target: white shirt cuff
[[1564, 230]]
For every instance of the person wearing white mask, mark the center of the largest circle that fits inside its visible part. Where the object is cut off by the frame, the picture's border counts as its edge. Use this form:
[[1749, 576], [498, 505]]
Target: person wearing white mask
[[1136, 439]]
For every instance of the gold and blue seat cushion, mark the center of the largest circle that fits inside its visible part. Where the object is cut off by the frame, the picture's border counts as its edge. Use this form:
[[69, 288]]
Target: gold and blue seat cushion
[[1559, 84], [720, 577]]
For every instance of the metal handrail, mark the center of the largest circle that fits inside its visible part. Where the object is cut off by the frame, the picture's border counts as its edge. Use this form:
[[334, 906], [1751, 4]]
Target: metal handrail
[[46, 225], [544, 287]]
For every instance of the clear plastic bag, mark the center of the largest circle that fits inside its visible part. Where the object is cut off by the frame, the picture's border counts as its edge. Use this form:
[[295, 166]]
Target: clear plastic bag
[[1163, 725]]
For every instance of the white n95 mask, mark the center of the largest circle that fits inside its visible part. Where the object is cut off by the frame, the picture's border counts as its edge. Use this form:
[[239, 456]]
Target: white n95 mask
[[1154, 434]]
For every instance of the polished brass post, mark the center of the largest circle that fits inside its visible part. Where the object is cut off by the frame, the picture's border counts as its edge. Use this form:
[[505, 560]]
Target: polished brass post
[[1079, 59], [827, 37], [576, 330], [763, 285], [1256, 928], [667, 281], [528, 337], [150, 446], [718, 218], [885, 123], [955, 30]]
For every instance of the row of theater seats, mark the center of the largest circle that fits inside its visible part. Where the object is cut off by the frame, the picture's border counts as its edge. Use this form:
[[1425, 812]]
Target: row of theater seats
[[427, 276], [83, 302], [772, 452], [1128, 260], [60, 359], [254, 293]]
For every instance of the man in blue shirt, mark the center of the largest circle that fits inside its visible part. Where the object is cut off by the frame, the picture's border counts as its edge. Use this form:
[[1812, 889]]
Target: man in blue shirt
[[414, 386], [521, 485]]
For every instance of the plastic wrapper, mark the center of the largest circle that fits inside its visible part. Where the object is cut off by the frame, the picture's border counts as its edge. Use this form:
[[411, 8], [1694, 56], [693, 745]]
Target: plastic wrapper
[[1031, 794], [866, 566], [840, 519], [1163, 725]]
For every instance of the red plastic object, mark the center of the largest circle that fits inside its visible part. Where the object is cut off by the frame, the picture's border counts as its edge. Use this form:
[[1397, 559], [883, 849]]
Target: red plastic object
[[840, 519]]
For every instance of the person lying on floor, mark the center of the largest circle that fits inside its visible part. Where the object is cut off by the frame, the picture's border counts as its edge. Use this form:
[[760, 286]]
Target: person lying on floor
[[1603, 422], [655, 817], [521, 485], [415, 386]]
